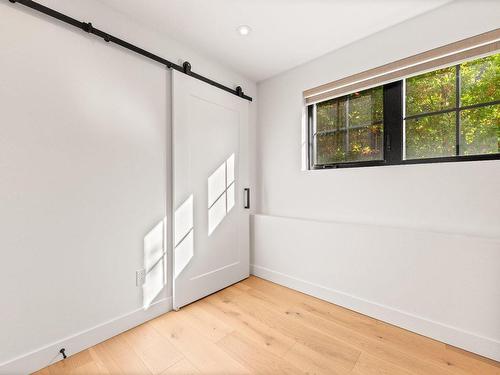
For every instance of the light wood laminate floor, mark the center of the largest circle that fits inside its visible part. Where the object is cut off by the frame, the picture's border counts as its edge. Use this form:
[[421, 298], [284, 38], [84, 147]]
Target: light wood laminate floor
[[257, 327]]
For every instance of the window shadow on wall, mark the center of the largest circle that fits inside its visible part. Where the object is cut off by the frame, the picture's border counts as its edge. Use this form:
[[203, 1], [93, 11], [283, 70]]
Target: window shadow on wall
[[154, 263], [221, 193], [183, 235]]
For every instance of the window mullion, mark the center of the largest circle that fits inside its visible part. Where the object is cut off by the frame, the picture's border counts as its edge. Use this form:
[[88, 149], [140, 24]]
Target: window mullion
[[311, 130], [393, 122], [346, 146]]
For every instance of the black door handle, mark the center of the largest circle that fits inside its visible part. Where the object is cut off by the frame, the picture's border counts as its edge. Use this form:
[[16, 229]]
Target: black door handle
[[246, 198]]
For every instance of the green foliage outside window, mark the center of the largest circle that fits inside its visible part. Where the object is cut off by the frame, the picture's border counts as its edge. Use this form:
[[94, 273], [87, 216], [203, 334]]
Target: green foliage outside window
[[480, 127], [480, 80], [431, 136], [350, 128], [431, 92], [434, 135]]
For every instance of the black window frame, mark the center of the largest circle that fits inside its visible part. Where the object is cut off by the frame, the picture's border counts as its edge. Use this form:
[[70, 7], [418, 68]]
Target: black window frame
[[393, 125]]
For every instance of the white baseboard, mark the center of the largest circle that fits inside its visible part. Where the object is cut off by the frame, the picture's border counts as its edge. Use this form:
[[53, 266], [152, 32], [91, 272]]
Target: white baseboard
[[40, 358], [451, 335]]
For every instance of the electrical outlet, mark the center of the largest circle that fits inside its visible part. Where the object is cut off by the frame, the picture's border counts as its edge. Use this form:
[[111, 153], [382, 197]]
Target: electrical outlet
[[140, 277]]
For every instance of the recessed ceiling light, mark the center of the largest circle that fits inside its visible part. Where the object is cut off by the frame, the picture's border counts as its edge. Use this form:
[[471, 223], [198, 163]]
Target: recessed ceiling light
[[244, 30]]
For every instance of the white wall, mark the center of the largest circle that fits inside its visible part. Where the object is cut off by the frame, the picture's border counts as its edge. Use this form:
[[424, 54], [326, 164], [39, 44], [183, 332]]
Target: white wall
[[84, 175], [457, 198]]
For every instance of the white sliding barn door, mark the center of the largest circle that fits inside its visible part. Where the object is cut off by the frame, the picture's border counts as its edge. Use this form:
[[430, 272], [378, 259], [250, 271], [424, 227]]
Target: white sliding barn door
[[210, 173]]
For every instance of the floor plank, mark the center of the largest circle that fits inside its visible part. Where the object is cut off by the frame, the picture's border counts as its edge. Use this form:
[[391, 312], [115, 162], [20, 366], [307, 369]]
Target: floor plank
[[257, 327], [212, 327], [313, 362], [156, 352], [263, 335], [204, 354], [72, 364], [369, 365], [257, 359], [124, 358], [183, 367]]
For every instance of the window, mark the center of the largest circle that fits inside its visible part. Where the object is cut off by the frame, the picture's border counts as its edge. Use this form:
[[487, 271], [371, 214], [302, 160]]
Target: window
[[349, 128], [450, 114], [454, 111]]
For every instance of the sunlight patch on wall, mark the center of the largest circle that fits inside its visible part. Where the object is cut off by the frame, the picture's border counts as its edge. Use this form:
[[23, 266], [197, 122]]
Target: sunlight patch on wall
[[183, 235], [154, 263]]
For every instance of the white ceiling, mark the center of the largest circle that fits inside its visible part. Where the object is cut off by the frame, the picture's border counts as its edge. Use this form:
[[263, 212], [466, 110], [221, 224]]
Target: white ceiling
[[285, 33]]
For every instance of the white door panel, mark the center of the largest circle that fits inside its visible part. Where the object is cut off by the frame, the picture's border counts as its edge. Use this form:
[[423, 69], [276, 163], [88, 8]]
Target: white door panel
[[210, 156]]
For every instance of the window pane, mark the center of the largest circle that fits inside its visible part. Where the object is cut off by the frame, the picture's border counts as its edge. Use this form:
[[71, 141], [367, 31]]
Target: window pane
[[431, 136], [366, 107], [431, 92], [366, 143], [331, 115], [331, 148], [350, 128], [480, 131], [480, 80]]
